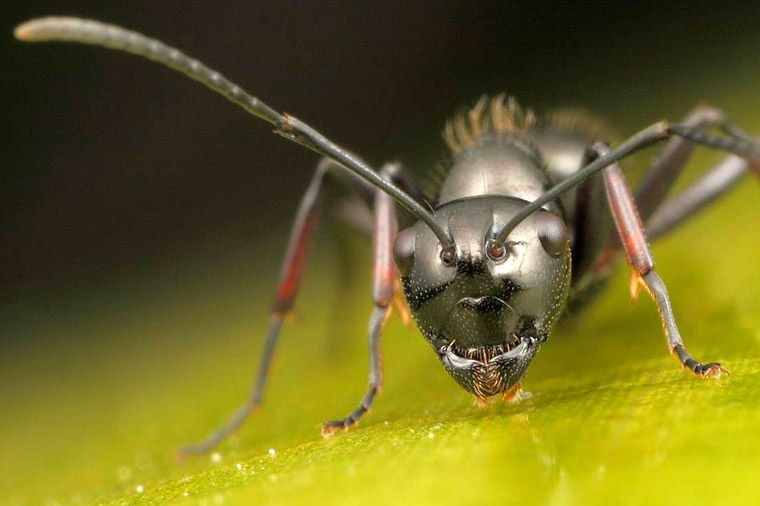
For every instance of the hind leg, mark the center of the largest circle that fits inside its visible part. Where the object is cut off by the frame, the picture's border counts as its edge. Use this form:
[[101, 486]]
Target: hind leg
[[714, 183]]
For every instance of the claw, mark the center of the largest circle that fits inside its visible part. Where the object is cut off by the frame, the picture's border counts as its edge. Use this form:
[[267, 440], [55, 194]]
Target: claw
[[330, 428], [711, 370]]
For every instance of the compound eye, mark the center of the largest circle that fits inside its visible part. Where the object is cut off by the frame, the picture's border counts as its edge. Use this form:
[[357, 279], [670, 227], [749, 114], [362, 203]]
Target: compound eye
[[552, 232], [496, 251], [403, 250], [449, 256]]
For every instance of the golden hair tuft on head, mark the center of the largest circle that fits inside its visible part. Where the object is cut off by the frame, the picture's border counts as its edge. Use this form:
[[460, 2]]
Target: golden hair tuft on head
[[497, 114]]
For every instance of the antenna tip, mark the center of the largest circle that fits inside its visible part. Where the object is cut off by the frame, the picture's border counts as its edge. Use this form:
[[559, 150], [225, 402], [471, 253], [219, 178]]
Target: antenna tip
[[21, 32], [44, 28], [26, 31]]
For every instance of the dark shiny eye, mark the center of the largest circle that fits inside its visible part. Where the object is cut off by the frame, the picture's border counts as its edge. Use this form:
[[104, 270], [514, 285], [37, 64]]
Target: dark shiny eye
[[403, 250], [448, 256], [496, 250], [552, 232]]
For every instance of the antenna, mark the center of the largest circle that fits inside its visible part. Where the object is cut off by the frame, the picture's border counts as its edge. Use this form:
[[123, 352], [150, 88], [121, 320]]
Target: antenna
[[85, 31]]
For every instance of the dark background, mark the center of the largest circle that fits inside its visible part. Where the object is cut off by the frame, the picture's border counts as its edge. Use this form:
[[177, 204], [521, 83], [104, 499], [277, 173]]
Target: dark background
[[111, 165]]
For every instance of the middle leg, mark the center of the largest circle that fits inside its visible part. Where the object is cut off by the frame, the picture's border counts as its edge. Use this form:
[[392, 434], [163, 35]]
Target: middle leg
[[383, 284]]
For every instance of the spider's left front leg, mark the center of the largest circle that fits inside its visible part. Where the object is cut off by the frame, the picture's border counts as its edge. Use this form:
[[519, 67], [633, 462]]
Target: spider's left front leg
[[383, 284], [633, 239]]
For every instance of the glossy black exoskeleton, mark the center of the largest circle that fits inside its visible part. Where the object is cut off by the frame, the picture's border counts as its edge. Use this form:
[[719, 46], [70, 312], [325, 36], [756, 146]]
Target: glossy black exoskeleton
[[524, 203]]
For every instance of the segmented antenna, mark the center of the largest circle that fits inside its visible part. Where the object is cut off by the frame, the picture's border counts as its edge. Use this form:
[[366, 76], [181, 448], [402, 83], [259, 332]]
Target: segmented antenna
[[69, 29]]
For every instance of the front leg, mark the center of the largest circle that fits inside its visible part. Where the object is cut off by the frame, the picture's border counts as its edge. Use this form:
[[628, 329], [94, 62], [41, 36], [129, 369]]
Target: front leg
[[282, 302], [632, 236], [383, 284]]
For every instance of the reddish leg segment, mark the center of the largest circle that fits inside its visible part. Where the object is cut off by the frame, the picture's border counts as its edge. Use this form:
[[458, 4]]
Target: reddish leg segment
[[668, 165], [383, 285], [284, 296], [632, 236], [660, 217]]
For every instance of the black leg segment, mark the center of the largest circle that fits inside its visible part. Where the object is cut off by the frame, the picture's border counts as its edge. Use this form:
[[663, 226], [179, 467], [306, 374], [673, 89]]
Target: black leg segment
[[376, 323], [656, 288]]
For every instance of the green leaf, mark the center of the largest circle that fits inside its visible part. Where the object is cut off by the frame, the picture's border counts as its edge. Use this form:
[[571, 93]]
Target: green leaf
[[95, 403]]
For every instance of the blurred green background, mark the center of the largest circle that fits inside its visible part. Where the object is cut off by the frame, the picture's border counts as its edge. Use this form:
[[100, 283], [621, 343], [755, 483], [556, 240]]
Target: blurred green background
[[143, 219]]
